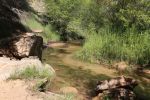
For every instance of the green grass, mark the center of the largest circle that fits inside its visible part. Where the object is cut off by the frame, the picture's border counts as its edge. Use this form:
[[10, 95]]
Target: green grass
[[48, 32], [33, 24], [32, 73], [69, 97], [106, 46]]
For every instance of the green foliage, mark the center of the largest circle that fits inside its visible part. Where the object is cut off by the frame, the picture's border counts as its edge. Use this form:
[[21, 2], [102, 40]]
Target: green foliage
[[62, 13], [125, 14], [33, 24], [31, 73], [130, 47], [48, 32], [125, 25], [78, 15]]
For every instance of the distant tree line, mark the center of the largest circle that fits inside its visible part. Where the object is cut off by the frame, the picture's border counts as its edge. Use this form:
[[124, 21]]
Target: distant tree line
[[119, 15], [113, 29]]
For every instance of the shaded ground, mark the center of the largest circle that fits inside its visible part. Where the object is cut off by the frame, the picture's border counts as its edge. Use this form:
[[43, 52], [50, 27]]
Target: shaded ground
[[10, 23]]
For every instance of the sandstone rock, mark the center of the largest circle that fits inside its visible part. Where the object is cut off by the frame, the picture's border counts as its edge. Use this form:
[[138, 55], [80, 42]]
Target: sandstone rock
[[146, 71], [68, 90], [117, 88], [116, 83], [121, 66], [22, 46], [116, 94], [37, 31]]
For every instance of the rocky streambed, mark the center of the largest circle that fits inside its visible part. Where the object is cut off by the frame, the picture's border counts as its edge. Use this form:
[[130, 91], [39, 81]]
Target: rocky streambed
[[84, 76]]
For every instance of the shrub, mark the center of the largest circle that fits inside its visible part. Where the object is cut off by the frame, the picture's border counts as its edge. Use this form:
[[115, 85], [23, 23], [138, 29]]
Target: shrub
[[131, 47]]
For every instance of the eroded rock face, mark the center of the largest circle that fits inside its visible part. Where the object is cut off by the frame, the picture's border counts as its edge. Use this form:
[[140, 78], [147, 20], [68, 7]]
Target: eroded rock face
[[120, 88], [22, 46]]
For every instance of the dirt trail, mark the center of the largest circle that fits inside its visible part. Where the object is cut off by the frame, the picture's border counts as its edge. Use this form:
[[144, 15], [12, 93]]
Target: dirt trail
[[15, 90]]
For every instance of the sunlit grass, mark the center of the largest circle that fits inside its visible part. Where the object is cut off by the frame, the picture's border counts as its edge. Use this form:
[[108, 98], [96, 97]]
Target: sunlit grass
[[48, 32], [31, 73], [105, 46]]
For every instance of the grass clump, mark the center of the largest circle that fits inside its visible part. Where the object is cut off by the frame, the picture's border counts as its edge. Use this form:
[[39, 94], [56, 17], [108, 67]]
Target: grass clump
[[48, 32], [32, 73], [106, 46], [69, 96]]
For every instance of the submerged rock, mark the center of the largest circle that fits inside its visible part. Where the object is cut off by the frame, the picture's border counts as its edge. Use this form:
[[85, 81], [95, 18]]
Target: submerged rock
[[69, 90]]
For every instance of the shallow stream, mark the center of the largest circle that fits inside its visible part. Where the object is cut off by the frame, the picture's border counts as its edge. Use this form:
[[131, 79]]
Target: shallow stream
[[79, 74]]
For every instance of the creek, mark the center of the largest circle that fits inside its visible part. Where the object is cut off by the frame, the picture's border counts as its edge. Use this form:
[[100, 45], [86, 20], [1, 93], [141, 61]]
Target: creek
[[79, 74]]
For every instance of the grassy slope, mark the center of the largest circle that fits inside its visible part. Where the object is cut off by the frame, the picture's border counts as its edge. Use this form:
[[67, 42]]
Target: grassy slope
[[48, 32], [107, 47]]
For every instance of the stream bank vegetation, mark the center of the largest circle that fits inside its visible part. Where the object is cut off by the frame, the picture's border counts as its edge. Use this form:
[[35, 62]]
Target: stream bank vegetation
[[112, 30], [38, 76], [117, 30], [39, 80], [32, 22]]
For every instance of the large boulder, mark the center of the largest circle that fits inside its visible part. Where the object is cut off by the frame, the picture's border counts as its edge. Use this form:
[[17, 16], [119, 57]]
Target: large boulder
[[22, 46], [120, 88], [10, 67]]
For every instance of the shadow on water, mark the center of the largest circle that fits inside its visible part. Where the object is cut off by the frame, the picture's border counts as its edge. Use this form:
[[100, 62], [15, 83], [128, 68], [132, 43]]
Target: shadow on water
[[80, 78], [63, 51], [143, 89]]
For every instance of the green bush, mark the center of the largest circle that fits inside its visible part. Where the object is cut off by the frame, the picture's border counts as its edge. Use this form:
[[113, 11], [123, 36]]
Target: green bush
[[78, 15], [131, 47], [125, 25]]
